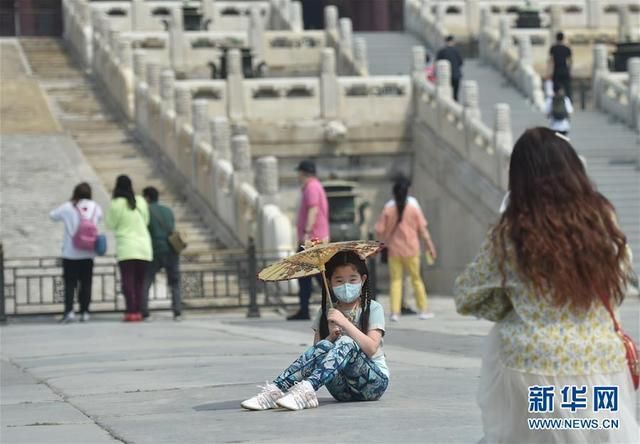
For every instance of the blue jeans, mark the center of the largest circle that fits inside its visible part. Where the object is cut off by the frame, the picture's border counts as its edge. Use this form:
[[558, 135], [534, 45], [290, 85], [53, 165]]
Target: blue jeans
[[347, 372]]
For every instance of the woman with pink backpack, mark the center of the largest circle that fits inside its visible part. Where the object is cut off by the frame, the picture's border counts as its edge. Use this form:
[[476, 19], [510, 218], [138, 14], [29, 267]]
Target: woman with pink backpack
[[80, 217]]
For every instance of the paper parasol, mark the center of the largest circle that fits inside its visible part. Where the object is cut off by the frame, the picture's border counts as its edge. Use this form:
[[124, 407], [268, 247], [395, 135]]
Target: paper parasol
[[312, 260]]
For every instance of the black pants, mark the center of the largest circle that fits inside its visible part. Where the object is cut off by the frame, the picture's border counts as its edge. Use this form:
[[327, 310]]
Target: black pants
[[455, 84], [171, 264], [77, 274], [563, 80]]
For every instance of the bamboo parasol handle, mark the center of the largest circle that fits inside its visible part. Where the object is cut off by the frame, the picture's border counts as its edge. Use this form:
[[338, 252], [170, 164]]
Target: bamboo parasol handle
[[326, 286]]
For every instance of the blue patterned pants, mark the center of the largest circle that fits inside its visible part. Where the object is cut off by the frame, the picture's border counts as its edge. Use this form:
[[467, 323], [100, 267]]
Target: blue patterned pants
[[347, 372]]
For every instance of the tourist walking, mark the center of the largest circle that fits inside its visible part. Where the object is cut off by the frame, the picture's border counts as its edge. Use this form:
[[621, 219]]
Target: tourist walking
[[558, 110], [400, 226], [347, 356], [128, 217], [548, 274], [312, 224], [559, 65], [161, 225], [78, 254], [450, 53]]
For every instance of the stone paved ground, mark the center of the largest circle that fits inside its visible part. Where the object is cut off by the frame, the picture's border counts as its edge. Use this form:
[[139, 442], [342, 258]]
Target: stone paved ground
[[166, 382]]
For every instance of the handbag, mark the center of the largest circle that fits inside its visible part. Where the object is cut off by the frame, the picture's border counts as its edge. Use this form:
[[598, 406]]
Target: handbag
[[177, 243], [101, 245], [630, 348]]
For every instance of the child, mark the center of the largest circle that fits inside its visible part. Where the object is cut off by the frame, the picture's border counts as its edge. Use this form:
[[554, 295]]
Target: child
[[559, 109], [347, 355]]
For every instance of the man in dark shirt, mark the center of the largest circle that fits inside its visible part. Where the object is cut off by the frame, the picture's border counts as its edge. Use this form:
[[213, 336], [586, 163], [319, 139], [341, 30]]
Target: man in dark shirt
[[451, 53], [560, 59], [161, 225]]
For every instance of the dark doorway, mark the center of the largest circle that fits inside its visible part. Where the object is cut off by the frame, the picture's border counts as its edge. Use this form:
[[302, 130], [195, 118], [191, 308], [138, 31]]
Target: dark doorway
[[24, 18], [366, 15]]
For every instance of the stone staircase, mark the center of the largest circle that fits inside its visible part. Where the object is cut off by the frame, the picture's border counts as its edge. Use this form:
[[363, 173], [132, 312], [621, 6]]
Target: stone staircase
[[106, 142], [612, 149]]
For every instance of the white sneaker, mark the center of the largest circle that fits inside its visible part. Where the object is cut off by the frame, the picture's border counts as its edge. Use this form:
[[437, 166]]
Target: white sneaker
[[84, 317], [301, 396], [264, 400], [394, 317], [426, 315], [67, 318]]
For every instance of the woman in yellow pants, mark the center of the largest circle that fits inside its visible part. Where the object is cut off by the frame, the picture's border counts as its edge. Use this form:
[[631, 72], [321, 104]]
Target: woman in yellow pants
[[400, 227]]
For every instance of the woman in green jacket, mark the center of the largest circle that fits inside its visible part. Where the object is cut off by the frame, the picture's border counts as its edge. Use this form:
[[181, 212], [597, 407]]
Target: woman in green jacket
[[128, 217]]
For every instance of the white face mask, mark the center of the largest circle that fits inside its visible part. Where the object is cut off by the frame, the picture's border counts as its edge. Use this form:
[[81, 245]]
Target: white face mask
[[348, 293]]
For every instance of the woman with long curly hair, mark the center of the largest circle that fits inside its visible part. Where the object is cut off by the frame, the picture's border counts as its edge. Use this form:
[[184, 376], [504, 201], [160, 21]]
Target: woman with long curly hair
[[544, 274]]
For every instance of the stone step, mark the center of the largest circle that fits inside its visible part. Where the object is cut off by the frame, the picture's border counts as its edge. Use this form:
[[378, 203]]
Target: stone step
[[105, 142]]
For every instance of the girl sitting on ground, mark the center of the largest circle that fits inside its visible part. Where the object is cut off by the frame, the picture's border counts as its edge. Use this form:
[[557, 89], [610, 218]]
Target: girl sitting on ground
[[347, 355]]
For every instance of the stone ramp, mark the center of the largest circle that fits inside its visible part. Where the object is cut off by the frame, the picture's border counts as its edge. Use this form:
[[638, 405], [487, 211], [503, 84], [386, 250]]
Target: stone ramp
[[23, 106], [105, 142], [389, 52]]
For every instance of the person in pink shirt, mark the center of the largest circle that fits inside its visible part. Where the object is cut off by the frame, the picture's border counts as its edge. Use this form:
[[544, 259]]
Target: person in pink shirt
[[400, 227], [313, 223]]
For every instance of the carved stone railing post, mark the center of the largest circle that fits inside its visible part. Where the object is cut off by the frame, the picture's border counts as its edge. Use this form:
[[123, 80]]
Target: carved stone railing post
[[329, 84], [443, 80], [241, 158], [235, 84], [267, 179], [221, 137]]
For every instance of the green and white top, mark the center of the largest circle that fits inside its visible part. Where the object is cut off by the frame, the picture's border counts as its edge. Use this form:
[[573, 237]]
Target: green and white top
[[536, 336], [376, 322]]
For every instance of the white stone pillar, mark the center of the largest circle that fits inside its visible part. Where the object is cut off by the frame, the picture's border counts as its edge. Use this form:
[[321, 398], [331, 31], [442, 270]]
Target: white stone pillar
[[418, 61], [331, 18], [633, 69], [267, 179], [556, 20], [600, 59], [472, 9], [182, 100], [257, 39], [346, 35], [625, 29], [524, 49], [443, 80], [201, 133], [125, 53], [140, 65], [153, 77], [210, 13], [221, 137], [235, 87], [485, 19], [177, 43], [167, 81], [594, 11], [440, 12], [241, 158], [502, 127], [505, 40], [329, 84], [200, 120], [425, 10], [360, 54], [285, 12], [112, 39], [470, 99], [138, 15], [295, 13]]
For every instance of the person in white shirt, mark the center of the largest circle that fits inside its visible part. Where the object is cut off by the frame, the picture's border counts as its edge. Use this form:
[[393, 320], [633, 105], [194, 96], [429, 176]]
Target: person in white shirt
[[77, 264], [558, 109]]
